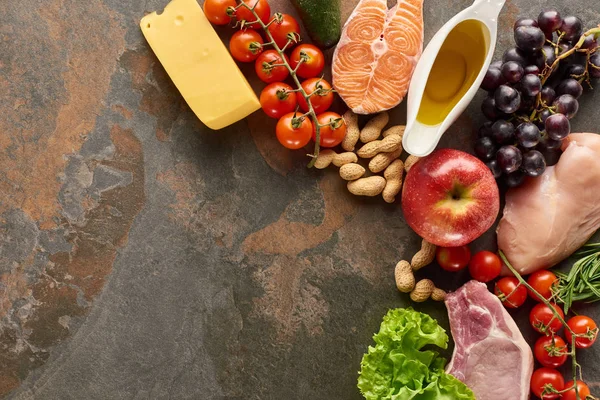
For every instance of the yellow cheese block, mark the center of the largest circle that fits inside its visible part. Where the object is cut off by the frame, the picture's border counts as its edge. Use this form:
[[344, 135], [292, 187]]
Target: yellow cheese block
[[199, 64]]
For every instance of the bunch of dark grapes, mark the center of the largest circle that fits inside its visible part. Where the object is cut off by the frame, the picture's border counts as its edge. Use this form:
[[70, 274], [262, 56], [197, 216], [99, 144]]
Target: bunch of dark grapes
[[532, 94]]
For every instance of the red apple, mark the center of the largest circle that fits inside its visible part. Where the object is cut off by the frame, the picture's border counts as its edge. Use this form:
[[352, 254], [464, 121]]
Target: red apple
[[450, 198]]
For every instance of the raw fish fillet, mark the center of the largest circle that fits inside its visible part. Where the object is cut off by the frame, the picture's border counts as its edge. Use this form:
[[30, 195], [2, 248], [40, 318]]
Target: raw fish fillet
[[377, 54], [550, 217], [490, 355]]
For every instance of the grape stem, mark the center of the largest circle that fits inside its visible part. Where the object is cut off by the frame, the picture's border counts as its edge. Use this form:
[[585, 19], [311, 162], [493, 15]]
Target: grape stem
[[293, 73], [548, 71], [576, 367]]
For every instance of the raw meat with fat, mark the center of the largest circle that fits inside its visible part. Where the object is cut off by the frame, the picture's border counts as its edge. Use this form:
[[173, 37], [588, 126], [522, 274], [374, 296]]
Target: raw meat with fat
[[550, 217], [490, 355]]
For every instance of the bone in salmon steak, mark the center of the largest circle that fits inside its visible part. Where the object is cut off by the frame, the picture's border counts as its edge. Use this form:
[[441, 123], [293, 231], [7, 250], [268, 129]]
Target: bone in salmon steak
[[487, 339], [550, 217], [377, 54]]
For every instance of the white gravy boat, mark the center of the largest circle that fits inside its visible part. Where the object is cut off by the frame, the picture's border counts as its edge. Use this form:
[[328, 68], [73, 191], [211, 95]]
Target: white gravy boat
[[421, 139]]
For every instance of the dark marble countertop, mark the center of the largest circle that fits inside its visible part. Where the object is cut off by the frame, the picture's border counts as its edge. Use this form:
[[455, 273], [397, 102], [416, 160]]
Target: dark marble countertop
[[143, 256]]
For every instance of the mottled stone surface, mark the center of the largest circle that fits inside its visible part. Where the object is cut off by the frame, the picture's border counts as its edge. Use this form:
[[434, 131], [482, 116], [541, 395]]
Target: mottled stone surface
[[145, 256]]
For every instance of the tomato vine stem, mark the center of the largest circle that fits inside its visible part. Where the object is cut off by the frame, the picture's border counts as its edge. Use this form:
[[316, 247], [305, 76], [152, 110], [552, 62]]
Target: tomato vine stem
[[311, 111], [576, 367]]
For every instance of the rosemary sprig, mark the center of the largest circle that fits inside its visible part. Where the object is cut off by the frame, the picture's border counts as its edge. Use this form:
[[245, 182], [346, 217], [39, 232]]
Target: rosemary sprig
[[582, 282]]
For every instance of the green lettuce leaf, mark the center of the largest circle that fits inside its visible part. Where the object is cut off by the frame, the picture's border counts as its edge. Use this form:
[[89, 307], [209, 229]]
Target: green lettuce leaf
[[397, 367]]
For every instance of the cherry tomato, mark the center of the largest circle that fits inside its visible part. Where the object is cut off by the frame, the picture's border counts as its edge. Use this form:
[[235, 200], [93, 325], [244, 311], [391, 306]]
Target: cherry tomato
[[542, 281], [485, 266], [246, 45], [584, 326], [582, 389], [511, 292], [313, 63], [550, 351], [261, 7], [321, 99], [283, 29], [544, 377], [453, 258], [332, 134], [294, 131], [543, 320], [278, 99], [216, 11], [265, 69]]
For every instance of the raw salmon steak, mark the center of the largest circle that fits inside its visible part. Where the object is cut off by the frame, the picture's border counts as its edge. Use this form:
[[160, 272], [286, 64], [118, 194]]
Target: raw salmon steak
[[377, 54]]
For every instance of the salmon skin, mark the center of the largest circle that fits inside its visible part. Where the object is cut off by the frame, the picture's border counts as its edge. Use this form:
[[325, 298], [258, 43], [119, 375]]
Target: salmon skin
[[377, 54]]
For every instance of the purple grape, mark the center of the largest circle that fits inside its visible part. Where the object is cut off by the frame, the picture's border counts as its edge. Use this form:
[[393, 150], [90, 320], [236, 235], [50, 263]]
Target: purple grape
[[544, 116], [590, 42], [558, 127], [485, 130], [515, 179], [512, 71], [525, 22], [488, 108], [549, 144], [549, 20], [508, 99], [495, 168], [496, 64], [528, 135], [531, 85], [529, 38], [575, 70], [532, 69], [564, 47], [485, 148], [527, 103], [567, 105], [503, 132], [493, 78], [551, 155], [509, 159], [570, 86], [594, 66], [549, 55], [516, 55], [534, 163], [548, 95], [572, 27]]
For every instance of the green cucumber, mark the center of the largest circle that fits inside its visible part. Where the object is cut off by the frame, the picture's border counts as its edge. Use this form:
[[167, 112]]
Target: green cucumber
[[322, 20]]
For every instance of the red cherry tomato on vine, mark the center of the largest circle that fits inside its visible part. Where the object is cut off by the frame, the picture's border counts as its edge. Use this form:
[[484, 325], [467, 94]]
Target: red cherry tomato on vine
[[322, 98], [283, 29], [278, 99], [542, 281], [511, 292], [216, 11], [246, 45], [582, 389], [261, 7], [453, 258], [294, 131], [586, 330], [551, 351], [313, 63], [332, 134], [543, 377], [543, 320], [485, 266], [266, 70]]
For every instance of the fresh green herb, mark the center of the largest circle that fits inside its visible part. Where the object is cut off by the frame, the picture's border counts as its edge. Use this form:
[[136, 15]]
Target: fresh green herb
[[396, 368], [582, 283]]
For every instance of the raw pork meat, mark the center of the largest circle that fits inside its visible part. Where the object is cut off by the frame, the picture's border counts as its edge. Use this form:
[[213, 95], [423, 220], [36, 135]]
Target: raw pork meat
[[550, 217], [490, 355]]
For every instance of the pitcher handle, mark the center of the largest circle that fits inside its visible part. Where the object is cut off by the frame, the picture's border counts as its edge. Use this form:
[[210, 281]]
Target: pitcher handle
[[488, 9]]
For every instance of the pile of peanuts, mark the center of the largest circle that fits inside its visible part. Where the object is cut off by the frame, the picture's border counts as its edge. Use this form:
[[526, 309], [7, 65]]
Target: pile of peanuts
[[383, 156], [405, 278]]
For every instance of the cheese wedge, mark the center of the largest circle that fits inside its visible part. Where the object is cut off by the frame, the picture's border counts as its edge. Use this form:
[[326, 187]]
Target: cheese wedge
[[199, 64]]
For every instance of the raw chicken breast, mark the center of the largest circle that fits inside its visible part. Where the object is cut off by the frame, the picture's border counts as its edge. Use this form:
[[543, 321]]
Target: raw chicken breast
[[550, 217]]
